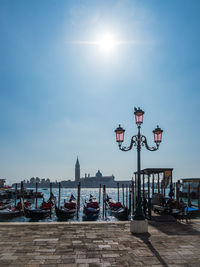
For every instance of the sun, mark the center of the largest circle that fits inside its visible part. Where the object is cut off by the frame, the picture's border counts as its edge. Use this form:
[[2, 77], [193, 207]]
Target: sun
[[106, 43]]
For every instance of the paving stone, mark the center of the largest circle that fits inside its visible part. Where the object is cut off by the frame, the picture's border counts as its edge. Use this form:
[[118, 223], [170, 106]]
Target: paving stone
[[94, 244]]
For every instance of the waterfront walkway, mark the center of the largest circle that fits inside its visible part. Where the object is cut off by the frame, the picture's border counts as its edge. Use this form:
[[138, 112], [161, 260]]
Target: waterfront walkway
[[99, 244]]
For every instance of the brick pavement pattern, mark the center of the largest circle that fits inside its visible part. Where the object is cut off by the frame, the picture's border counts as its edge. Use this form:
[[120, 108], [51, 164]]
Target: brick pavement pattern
[[99, 244]]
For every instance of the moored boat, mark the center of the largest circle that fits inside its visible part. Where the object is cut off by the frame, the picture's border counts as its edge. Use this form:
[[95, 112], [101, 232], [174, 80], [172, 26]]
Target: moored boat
[[192, 211], [12, 212], [44, 211], [36, 213], [91, 210], [67, 211], [117, 209]]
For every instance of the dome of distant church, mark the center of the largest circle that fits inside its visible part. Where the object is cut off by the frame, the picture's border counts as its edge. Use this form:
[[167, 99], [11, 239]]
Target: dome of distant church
[[99, 174]]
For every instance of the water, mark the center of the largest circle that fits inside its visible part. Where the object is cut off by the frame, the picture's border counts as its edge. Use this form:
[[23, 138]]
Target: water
[[85, 194], [65, 195]]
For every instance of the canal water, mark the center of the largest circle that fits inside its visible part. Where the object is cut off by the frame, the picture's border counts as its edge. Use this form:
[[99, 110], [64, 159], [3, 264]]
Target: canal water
[[65, 195], [84, 196]]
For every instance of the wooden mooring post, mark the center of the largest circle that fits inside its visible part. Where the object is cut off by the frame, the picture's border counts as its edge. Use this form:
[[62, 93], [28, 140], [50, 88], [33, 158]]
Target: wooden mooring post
[[133, 202], [50, 197], [129, 199], [199, 196], [178, 190], [99, 193], [188, 195], [22, 191], [148, 186], [105, 209], [123, 194], [103, 201], [15, 194], [50, 192], [126, 196], [118, 192], [78, 199], [153, 186], [36, 192], [59, 190]]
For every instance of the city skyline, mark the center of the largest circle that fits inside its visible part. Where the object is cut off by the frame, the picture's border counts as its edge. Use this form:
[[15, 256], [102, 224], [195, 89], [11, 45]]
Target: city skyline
[[72, 71]]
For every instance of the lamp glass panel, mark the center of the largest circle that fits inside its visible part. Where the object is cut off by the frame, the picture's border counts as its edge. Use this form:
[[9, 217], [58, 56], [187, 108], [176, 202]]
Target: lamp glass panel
[[157, 136], [119, 136], [139, 117]]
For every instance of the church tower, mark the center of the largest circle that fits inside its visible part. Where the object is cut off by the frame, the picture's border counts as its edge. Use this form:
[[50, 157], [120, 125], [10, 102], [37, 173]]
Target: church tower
[[77, 171]]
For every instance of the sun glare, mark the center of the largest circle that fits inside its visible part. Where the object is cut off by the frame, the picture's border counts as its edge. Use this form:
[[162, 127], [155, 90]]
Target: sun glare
[[106, 43]]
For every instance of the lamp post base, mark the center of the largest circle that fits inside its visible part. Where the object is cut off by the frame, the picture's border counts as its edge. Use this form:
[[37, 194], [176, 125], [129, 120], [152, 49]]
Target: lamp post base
[[139, 226]]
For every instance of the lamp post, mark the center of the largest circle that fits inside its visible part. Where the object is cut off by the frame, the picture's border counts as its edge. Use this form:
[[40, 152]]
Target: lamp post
[[139, 140]]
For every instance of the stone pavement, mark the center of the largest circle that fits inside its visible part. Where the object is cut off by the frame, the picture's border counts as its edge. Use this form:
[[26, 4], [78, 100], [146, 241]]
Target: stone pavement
[[99, 244]]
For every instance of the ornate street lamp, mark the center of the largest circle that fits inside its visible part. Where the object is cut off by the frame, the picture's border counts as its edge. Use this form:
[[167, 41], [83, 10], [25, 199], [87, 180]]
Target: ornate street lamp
[[139, 141]]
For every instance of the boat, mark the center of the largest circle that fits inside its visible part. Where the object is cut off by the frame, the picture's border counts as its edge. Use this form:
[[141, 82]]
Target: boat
[[29, 194], [44, 211], [5, 205], [91, 210], [12, 212], [117, 209], [36, 213], [192, 211], [67, 211]]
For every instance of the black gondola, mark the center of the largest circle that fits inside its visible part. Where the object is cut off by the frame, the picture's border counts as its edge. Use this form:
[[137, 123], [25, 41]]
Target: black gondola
[[91, 209], [67, 211], [117, 210], [12, 212], [36, 213], [7, 214], [40, 213]]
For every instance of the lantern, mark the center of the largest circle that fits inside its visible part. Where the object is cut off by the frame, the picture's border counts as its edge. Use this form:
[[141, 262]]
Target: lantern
[[157, 135], [139, 116], [119, 134]]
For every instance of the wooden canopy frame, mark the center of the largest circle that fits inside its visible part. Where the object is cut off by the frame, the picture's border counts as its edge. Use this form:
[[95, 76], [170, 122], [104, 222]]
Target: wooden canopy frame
[[161, 185]]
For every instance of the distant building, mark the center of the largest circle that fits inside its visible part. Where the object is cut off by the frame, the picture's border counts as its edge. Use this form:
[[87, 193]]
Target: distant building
[[94, 181], [86, 182]]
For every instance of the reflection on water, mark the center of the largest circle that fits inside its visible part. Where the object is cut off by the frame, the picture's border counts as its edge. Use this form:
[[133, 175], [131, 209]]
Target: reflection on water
[[65, 195], [85, 193]]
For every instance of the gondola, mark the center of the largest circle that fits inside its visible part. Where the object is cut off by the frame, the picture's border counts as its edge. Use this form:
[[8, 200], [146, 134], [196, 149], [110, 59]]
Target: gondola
[[5, 205], [91, 209], [67, 211], [117, 209], [36, 213], [43, 212], [12, 212]]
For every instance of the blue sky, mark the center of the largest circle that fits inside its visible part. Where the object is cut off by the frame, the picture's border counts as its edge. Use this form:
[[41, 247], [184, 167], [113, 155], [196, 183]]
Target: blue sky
[[60, 98]]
